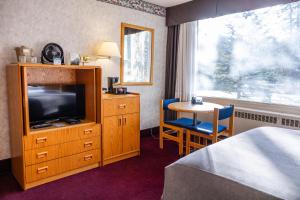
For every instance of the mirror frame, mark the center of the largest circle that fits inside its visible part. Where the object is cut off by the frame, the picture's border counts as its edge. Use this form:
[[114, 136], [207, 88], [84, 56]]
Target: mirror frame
[[123, 26]]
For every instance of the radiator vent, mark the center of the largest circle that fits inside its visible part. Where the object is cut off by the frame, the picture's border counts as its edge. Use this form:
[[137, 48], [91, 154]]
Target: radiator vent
[[257, 117], [280, 120], [290, 122]]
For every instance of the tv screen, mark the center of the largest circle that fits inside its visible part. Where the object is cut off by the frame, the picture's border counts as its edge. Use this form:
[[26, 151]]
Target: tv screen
[[53, 102]]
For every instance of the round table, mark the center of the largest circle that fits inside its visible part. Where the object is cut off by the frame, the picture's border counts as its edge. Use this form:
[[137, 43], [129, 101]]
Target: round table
[[206, 107]]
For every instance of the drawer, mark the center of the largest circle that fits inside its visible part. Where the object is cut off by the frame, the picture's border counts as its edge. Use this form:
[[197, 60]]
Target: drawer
[[41, 155], [42, 170], [40, 140], [120, 106], [89, 131], [80, 160], [70, 134], [79, 146]]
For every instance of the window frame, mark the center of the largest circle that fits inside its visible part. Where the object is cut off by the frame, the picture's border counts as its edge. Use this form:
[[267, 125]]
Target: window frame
[[253, 105]]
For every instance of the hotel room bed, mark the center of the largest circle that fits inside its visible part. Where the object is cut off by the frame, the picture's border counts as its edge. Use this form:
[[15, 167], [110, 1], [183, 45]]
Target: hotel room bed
[[262, 163]]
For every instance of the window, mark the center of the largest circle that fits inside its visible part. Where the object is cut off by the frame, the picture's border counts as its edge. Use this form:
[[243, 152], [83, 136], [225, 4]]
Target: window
[[252, 56]]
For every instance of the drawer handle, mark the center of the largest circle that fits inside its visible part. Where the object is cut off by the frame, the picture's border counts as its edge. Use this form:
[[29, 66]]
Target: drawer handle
[[88, 131], [88, 157], [120, 121], [42, 154], [88, 144], [122, 106], [42, 170], [41, 140]]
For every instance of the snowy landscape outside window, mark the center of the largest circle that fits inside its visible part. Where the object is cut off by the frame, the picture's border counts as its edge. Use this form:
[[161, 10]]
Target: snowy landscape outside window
[[253, 56]]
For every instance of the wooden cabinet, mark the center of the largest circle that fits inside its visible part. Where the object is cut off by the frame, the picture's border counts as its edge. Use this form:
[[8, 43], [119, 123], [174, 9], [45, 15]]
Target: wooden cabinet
[[121, 127], [43, 155]]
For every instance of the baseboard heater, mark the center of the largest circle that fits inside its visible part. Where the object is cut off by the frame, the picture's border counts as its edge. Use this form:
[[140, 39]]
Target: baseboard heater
[[271, 118]]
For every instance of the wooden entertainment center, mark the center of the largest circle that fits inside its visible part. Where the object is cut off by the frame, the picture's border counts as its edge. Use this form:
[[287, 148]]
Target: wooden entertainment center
[[43, 155], [110, 131]]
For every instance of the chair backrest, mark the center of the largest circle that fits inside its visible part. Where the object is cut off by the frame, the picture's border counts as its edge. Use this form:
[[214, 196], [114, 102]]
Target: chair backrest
[[226, 112], [166, 102], [164, 107], [221, 114]]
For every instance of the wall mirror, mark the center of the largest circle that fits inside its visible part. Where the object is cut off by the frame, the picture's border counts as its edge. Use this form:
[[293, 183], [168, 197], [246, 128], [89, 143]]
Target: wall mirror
[[137, 50]]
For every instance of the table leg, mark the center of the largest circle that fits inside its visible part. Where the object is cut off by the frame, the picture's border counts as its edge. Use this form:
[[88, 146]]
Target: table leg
[[194, 119]]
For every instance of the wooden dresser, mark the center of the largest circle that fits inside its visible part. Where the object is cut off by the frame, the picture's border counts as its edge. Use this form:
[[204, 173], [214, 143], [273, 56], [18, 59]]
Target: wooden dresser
[[121, 127], [43, 155]]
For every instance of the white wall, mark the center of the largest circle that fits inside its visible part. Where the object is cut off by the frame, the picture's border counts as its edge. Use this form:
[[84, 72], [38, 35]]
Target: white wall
[[78, 26]]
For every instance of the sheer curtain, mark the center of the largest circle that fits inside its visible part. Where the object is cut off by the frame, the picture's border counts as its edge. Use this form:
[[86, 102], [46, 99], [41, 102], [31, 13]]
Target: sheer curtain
[[186, 61]]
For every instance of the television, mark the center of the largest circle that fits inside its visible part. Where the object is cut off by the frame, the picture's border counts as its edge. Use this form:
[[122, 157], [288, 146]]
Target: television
[[55, 102]]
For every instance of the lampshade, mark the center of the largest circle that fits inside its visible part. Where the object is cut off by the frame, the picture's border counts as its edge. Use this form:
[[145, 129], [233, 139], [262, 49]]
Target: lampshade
[[109, 49]]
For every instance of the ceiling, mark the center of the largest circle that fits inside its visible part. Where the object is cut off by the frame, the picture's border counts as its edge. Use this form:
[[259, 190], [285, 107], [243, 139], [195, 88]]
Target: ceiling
[[167, 3]]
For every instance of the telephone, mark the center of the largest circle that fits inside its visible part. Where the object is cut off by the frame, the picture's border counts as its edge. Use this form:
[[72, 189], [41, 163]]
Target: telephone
[[197, 100]]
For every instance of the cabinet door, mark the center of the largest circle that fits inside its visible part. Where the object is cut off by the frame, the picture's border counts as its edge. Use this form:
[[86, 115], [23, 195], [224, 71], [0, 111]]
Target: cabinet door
[[131, 132], [112, 136]]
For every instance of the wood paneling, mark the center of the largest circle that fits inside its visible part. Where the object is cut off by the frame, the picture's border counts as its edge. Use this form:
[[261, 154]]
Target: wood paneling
[[41, 155], [48, 137], [99, 95], [62, 150], [87, 77], [78, 146], [59, 176], [80, 160], [25, 104], [40, 140], [42, 170], [51, 76], [90, 131], [112, 136], [120, 106], [15, 107], [121, 157], [109, 108], [72, 133], [131, 130]]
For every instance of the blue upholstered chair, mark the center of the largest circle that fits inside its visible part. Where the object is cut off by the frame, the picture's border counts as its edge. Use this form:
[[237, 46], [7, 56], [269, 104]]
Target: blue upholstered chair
[[174, 128], [211, 131]]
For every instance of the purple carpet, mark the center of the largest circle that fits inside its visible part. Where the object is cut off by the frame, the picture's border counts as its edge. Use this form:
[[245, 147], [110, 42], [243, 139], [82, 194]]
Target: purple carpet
[[136, 178]]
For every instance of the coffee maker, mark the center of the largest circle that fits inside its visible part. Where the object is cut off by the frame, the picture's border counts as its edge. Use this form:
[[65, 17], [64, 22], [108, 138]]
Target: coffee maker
[[110, 83]]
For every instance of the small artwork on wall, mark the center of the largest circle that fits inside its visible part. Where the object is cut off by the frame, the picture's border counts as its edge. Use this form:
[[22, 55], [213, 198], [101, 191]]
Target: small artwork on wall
[[74, 59]]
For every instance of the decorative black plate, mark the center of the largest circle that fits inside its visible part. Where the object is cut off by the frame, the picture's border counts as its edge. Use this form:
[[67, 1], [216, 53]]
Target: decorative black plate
[[50, 51]]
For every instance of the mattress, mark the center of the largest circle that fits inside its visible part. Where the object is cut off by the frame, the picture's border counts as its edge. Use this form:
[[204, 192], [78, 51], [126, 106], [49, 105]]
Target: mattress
[[262, 163]]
